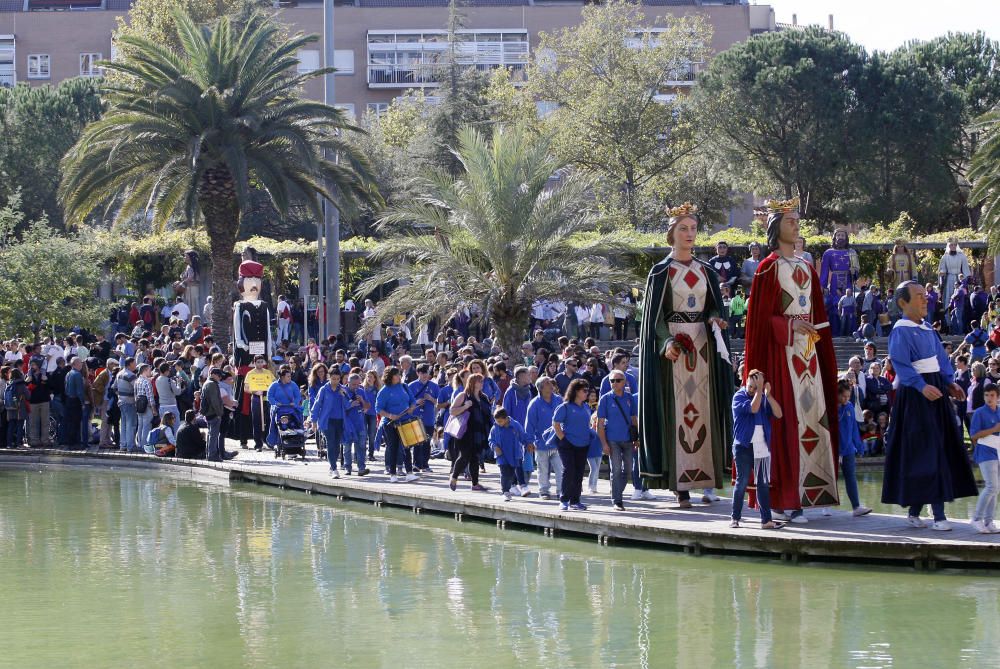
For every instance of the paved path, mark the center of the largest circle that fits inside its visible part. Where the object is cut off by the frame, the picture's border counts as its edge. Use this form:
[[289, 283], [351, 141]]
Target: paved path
[[876, 538]]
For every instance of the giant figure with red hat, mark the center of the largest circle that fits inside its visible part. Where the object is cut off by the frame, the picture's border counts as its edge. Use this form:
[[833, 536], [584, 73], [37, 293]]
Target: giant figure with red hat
[[788, 338], [252, 328]]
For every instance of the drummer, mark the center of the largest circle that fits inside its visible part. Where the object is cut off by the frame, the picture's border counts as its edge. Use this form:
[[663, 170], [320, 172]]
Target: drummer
[[425, 392], [394, 402]]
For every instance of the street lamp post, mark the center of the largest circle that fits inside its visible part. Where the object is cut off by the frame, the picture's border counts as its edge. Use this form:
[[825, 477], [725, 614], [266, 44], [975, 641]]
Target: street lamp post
[[331, 215]]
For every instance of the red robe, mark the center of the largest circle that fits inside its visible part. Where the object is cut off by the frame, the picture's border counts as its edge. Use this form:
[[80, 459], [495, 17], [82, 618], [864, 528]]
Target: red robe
[[768, 332]]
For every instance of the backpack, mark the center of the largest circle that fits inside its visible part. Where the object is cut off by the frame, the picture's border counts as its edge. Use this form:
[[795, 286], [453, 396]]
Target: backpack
[[11, 398], [147, 314]]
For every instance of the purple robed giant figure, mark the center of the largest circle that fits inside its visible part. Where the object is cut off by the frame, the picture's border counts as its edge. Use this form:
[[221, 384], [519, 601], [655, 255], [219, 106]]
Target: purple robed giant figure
[[840, 265]]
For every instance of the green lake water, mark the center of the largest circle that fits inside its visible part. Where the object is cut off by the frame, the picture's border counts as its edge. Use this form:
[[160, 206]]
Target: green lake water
[[110, 569]]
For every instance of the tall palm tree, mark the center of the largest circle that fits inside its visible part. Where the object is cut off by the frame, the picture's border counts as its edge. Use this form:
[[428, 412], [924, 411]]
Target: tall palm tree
[[193, 133], [513, 227], [984, 172]]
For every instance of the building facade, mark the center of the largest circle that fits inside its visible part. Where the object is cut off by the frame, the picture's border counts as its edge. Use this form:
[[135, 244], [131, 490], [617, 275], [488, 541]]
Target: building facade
[[383, 47]]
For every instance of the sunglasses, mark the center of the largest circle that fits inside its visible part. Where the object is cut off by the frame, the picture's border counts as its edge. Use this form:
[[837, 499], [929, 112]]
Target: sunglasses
[[617, 380]]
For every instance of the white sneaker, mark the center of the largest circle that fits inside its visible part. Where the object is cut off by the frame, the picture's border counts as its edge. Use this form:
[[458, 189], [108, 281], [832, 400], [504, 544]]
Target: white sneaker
[[861, 511], [525, 492], [636, 495], [710, 496], [515, 490], [916, 521], [648, 496], [800, 519], [778, 515], [826, 512], [992, 528], [980, 526], [411, 477], [506, 497], [393, 479], [941, 526], [593, 491], [334, 474]]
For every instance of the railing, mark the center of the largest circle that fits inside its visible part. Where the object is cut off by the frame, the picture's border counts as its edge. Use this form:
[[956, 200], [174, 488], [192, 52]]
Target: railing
[[427, 75]]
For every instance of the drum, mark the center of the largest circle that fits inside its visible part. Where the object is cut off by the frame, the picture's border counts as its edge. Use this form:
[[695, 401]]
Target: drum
[[411, 432]]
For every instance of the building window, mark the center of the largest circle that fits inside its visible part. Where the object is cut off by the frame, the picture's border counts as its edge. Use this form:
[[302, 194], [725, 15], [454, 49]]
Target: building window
[[39, 66], [88, 65], [8, 73], [343, 60], [308, 60], [378, 108], [404, 59], [348, 110]]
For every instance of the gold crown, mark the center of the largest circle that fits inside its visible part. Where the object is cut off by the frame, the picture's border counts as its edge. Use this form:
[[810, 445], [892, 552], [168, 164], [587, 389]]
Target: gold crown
[[783, 206], [686, 209]]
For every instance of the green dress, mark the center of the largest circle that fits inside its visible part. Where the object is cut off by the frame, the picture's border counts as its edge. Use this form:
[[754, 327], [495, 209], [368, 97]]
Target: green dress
[[685, 416]]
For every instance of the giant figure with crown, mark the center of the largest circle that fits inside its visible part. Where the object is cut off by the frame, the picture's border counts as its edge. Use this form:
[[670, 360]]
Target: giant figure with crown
[[788, 339], [252, 328]]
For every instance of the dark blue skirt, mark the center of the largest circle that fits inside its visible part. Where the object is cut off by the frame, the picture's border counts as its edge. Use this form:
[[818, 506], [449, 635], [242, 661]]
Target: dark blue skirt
[[925, 460]]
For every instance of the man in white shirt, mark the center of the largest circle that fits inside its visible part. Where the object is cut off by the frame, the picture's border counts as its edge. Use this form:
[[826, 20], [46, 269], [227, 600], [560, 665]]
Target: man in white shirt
[[52, 352], [284, 311], [369, 312], [206, 313], [596, 320], [182, 310]]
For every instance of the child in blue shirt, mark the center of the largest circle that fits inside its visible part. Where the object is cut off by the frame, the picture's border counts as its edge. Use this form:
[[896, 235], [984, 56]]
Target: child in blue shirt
[[753, 408], [508, 439], [850, 445], [985, 423]]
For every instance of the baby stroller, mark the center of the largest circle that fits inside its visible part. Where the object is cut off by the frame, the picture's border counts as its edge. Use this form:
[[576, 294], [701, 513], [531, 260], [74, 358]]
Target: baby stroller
[[291, 432]]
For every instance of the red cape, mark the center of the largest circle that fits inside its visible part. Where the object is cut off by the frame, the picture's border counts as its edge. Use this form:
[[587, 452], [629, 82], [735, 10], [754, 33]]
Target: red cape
[[767, 334]]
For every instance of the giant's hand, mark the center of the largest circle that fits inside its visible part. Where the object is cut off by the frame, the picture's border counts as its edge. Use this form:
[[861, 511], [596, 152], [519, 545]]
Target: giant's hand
[[931, 392], [672, 353], [804, 327], [720, 322]]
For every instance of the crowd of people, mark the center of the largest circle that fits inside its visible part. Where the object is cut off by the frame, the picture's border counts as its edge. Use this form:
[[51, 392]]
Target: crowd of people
[[161, 385]]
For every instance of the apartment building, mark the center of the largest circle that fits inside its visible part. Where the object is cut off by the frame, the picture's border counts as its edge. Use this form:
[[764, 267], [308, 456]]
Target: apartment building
[[383, 47]]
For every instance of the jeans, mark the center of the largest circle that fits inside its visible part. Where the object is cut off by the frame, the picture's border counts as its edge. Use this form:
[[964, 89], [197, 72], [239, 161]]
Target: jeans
[[745, 463], [937, 509], [15, 431], [354, 444], [105, 440], [334, 434], [422, 451], [622, 455], [38, 425], [145, 425], [850, 479], [130, 425], [371, 423], [213, 447], [847, 323], [510, 473], [987, 502], [573, 459], [284, 329], [393, 446], [549, 464], [595, 472], [87, 412]]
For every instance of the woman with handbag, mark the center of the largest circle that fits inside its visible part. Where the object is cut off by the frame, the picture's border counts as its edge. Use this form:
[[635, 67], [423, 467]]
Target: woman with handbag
[[472, 408]]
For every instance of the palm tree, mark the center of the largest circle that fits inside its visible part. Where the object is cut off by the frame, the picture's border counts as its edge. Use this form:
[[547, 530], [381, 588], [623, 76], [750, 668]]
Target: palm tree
[[984, 172], [196, 132], [516, 225]]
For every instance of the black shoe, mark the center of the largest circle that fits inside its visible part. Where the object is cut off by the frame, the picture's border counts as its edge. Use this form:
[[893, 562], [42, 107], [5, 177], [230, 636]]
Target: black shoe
[[258, 448], [619, 506], [362, 472], [244, 444], [229, 455]]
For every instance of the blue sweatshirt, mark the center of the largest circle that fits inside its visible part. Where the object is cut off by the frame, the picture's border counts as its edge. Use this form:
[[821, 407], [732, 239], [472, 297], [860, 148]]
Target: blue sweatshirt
[[850, 436], [613, 409], [330, 404], [426, 411], [354, 418], [284, 394], [394, 399], [745, 420], [539, 419], [982, 419], [517, 407], [511, 441]]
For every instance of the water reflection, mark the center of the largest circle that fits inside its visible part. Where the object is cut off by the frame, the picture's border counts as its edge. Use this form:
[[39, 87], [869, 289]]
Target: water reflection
[[118, 568]]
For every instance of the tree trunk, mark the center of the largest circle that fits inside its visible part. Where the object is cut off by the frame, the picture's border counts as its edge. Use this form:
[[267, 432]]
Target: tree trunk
[[510, 322], [217, 198]]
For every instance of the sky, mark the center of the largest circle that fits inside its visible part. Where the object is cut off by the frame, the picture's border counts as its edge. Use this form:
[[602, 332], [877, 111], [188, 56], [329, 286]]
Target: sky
[[887, 24]]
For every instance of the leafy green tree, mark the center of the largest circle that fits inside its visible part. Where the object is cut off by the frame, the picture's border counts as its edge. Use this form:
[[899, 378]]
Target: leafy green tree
[[501, 235], [38, 126], [969, 64], [606, 76], [46, 276], [153, 20], [905, 128], [187, 134], [777, 106]]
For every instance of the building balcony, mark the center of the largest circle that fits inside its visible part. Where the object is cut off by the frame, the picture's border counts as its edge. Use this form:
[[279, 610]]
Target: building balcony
[[7, 79]]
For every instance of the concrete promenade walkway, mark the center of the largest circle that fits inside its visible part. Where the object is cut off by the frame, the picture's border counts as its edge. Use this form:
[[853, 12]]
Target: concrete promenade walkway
[[873, 539]]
